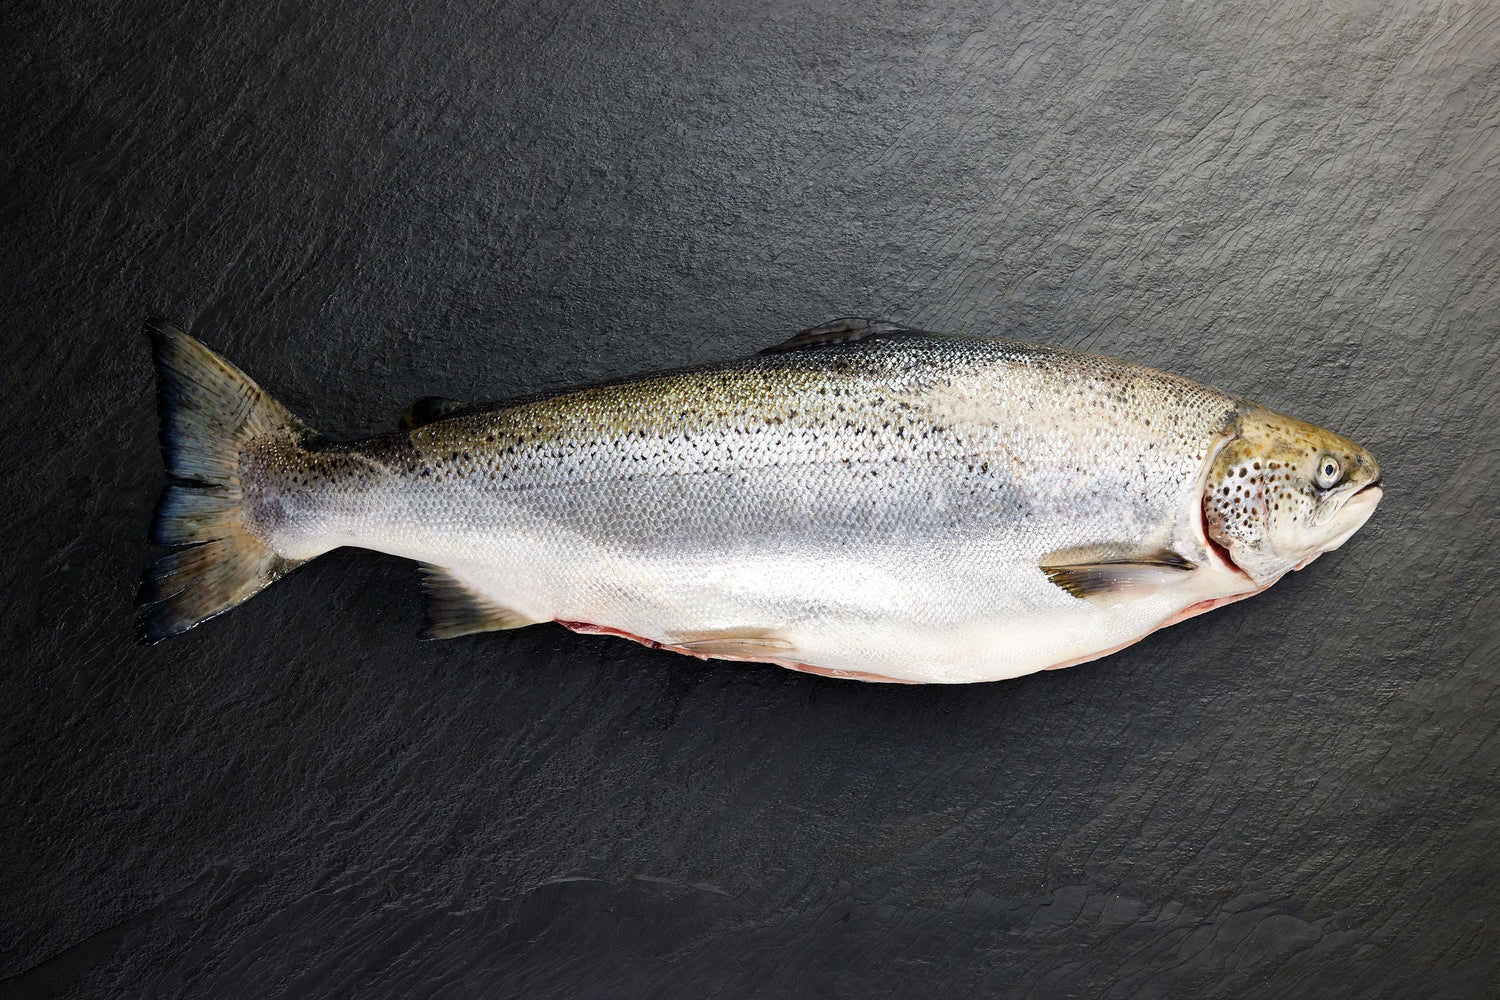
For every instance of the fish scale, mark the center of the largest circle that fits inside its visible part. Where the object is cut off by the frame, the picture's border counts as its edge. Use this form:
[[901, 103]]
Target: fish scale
[[864, 501]]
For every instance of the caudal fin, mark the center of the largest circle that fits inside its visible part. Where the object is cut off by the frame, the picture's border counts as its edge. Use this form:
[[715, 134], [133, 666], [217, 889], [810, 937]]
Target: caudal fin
[[210, 411]]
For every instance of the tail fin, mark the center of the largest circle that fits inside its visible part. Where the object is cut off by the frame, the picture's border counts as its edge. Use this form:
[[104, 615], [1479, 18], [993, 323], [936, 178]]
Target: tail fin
[[210, 410]]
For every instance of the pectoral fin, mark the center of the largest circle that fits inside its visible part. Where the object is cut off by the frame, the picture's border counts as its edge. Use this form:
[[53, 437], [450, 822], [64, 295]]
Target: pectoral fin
[[1096, 572], [736, 647], [454, 608]]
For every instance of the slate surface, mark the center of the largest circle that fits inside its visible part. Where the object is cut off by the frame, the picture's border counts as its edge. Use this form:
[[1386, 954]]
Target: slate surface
[[363, 203]]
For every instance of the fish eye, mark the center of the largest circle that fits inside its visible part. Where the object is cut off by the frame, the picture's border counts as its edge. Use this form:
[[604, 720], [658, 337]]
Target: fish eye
[[1328, 472]]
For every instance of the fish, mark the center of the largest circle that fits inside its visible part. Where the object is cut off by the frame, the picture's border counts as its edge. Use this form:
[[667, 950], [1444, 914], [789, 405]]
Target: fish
[[863, 500]]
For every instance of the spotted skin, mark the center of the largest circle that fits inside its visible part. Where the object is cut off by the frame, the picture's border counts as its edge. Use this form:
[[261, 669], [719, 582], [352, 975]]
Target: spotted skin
[[878, 508]]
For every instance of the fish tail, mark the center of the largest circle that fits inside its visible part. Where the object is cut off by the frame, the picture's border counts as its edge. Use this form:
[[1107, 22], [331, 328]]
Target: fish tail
[[210, 412]]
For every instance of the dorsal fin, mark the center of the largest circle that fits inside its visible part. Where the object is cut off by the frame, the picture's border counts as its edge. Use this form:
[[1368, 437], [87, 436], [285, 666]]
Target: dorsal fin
[[844, 330], [428, 409], [454, 608], [1098, 571]]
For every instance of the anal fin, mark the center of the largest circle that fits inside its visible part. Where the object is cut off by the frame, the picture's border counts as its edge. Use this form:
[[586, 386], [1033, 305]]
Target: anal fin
[[1097, 572], [454, 608]]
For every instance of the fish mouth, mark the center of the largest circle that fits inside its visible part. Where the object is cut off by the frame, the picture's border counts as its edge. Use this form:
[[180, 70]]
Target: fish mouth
[[1350, 518], [1361, 503], [1357, 509]]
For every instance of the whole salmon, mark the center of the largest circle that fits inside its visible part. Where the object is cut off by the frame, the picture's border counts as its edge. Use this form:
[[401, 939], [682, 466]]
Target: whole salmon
[[862, 501]]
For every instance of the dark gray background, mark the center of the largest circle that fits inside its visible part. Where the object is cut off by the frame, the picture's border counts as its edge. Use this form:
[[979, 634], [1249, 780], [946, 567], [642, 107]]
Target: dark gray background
[[1294, 796]]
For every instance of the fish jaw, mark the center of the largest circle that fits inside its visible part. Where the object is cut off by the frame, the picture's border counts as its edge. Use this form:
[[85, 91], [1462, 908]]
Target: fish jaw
[[1350, 518]]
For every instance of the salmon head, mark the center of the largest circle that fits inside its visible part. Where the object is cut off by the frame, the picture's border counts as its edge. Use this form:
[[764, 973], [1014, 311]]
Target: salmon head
[[1281, 492]]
